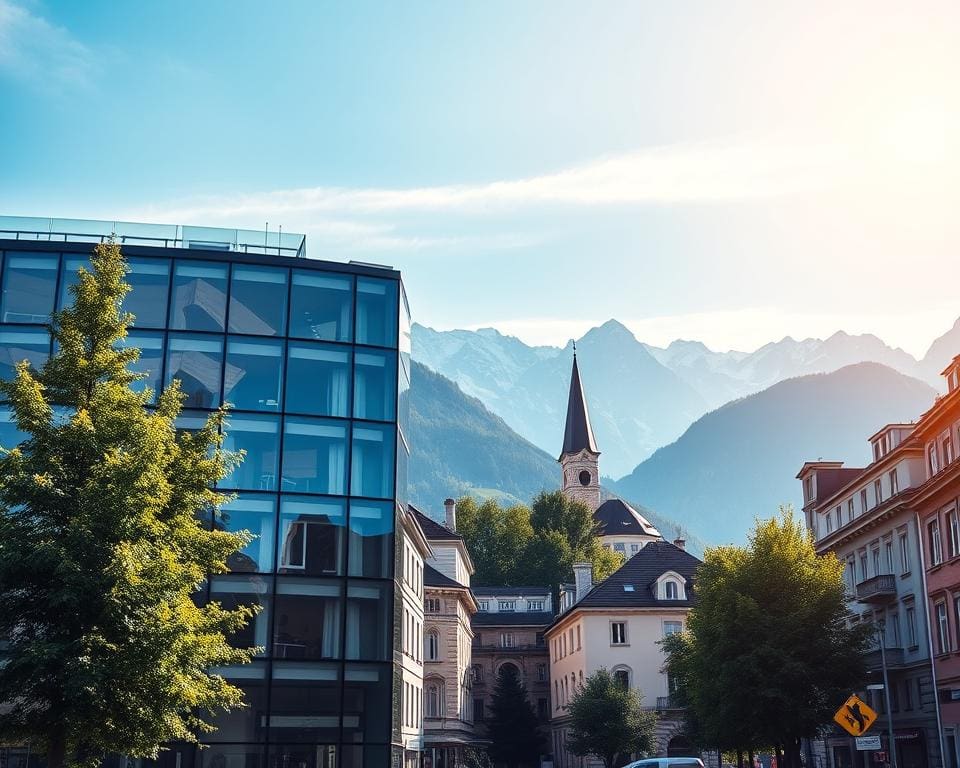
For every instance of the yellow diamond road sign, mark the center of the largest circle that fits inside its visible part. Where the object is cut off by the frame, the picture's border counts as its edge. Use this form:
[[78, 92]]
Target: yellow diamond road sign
[[855, 717]]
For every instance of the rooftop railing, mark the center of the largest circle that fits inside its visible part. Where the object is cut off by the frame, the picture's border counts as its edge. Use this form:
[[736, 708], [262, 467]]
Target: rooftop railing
[[264, 241]]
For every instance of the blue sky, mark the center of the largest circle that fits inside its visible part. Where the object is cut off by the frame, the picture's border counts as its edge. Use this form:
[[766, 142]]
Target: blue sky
[[732, 172]]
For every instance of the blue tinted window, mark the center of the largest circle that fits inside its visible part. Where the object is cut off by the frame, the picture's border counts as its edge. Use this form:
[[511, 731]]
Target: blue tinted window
[[314, 456], [375, 382], [22, 344], [70, 277], [235, 591], [191, 421], [321, 306], [300, 687], [29, 286], [369, 632], [256, 513], [151, 360], [10, 436], [376, 312], [318, 379], [308, 619], [370, 548], [259, 436], [199, 300], [258, 300], [196, 361], [311, 536], [149, 281], [240, 723], [372, 461], [367, 688], [252, 377]]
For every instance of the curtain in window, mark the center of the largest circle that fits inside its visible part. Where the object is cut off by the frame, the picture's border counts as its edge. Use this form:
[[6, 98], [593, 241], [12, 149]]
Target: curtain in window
[[336, 467]]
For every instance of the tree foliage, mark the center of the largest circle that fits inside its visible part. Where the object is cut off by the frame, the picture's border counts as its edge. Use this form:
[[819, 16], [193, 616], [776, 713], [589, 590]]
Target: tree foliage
[[101, 548], [521, 545], [768, 654], [607, 720], [513, 725]]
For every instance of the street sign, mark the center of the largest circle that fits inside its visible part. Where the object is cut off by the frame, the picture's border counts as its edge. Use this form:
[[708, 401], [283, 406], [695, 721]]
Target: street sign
[[855, 717], [868, 743]]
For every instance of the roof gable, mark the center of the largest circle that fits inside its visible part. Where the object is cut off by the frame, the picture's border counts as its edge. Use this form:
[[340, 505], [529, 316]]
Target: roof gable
[[578, 434]]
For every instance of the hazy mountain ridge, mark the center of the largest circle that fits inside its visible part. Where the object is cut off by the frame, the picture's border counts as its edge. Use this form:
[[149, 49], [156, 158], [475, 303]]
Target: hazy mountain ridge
[[739, 461], [642, 397]]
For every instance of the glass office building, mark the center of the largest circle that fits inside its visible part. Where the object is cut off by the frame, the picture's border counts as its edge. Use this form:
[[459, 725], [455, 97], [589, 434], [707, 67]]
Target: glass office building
[[314, 358]]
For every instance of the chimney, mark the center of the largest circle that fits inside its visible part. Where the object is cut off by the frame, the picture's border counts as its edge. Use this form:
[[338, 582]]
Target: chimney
[[583, 578], [680, 542], [450, 514]]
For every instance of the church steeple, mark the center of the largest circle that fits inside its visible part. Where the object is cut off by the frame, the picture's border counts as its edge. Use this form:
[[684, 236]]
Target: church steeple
[[580, 456]]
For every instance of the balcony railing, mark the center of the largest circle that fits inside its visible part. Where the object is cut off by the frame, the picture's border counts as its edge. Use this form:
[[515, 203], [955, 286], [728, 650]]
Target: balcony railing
[[667, 702], [263, 241], [518, 647], [874, 660], [879, 589]]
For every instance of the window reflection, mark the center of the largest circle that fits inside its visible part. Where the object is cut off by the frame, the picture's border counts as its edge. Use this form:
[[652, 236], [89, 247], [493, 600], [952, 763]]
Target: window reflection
[[318, 380], [321, 306], [311, 536], [254, 368], [314, 456], [371, 539], [306, 702], [376, 311], [149, 281], [245, 723], [22, 344], [199, 296], [374, 385], [150, 362], [259, 436], [255, 513], [10, 435], [372, 461], [221, 756], [70, 277], [368, 622], [258, 300], [308, 622], [313, 756], [235, 591], [367, 692], [29, 284], [196, 361]]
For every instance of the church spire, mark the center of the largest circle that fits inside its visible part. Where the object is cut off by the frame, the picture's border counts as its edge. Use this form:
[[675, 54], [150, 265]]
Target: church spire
[[578, 434]]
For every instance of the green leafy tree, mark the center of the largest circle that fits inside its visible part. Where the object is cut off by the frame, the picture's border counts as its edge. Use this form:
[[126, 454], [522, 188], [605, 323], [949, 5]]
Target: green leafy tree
[[608, 721], [513, 727], [101, 548], [497, 538], [769, 653]]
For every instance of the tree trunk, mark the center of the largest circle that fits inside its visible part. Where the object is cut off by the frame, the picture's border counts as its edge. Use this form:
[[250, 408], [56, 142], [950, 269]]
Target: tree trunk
[[57, 749], [750, 757], [739, 758]]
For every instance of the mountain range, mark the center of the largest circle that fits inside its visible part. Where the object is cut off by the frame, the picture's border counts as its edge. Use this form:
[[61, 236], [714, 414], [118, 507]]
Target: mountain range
[[642, 397]]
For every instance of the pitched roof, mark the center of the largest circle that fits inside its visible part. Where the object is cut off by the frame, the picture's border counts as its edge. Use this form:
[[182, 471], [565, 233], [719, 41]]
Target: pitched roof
[[641, 572], [433, 578], [511, 619], [616, 516], [508, 591], [578, 434], [433, 530]]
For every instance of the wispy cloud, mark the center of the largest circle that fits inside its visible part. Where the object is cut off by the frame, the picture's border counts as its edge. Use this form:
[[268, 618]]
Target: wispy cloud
[[33, 49]]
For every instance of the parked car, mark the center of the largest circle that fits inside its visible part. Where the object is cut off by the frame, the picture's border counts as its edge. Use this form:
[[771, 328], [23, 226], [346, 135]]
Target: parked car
[[667, 762]]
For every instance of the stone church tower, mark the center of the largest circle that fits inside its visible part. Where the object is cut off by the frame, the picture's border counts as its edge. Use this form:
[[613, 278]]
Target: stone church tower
[[580, 457]]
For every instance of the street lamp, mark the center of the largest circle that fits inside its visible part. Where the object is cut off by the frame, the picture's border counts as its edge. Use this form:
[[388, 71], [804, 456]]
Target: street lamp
[[892, 748]]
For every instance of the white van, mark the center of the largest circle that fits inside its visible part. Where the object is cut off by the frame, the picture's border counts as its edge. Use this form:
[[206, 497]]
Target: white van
[[667, 762]]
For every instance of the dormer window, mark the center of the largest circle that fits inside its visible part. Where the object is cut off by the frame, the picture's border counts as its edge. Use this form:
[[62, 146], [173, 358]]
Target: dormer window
[[670, 590], [628, 587], [507, 605]]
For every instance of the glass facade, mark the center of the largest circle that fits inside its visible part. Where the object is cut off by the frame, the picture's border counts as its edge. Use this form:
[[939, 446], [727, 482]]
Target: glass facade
[[314, 359]]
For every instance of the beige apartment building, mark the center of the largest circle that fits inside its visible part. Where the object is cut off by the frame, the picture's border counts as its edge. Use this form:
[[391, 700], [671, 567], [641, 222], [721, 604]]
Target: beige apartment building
[[617, 625]]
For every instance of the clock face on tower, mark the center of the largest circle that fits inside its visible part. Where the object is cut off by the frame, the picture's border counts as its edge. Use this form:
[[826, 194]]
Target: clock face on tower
[[584, 478]]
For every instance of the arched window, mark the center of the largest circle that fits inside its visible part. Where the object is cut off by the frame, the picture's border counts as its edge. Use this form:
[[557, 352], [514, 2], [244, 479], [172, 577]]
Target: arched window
[[434, 698], [622, 676], [433, 645]]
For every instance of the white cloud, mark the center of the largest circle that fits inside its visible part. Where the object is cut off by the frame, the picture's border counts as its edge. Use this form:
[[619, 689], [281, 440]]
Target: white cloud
[[33, 49]]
